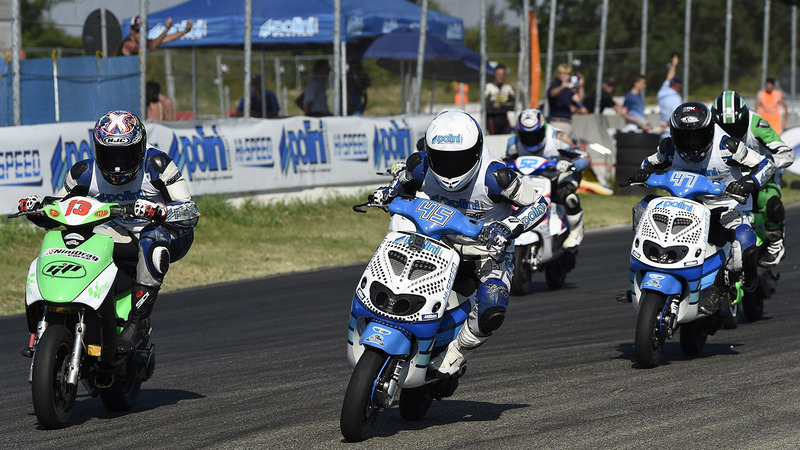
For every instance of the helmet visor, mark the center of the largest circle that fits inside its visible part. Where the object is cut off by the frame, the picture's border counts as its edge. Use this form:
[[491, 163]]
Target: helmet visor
[[450, 164], [532, 138]]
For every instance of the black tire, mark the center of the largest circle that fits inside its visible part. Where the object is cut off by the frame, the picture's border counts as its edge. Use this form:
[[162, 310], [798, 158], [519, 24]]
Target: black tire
[[122, 394], [753, 305], [414, 403], [555, 274], [523, 274], [53, 398], [649, 342], [693, 338], [731, 321], [358, 409]]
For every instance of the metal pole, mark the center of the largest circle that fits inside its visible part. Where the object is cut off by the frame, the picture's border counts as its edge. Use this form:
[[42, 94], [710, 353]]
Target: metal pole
[[343, 84], [643, 49], [601, 57], [263, 85], [168, 75], [220, 89], [423, 29], [143, 59], [726, 72], [283, 111], [549, 70], [523, 69], [686, 34], [55, 87], [194, 83], [15, 45], [794, 53], [337, 64], [765, 48], [103, 32], [482, 81], [248, 53]]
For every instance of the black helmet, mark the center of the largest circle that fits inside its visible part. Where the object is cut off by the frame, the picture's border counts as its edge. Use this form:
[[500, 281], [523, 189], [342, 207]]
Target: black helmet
[[692, 131], [119, 145], [730, 112]]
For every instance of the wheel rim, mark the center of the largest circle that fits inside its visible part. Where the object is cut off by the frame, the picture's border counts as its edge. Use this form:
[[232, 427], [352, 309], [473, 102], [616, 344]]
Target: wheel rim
[[62, 391]]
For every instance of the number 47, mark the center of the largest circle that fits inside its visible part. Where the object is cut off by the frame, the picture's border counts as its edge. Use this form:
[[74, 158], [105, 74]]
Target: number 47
[[684, 179]]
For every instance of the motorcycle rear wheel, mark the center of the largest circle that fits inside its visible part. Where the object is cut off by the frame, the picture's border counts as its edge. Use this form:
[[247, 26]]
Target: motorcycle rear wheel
[[523, 273], [555, 274], [693, 338], [122, 394], [53, 398], [359, 408], [414, 402], [649, 342]]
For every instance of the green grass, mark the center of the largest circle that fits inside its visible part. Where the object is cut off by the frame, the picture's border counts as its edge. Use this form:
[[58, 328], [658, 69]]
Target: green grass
[[253, 240]]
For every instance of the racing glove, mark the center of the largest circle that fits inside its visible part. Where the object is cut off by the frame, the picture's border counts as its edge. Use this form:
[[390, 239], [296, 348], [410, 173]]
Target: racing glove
[[383, 195], [498, 235], [742, 187], [30, 203], [146, 209], [563, 165], [641, 175]]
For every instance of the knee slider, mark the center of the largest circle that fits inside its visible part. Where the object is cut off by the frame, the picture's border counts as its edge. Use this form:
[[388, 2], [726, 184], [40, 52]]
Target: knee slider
[[159, 259], [492, 301], [572, 202], [775, 211], [746, 237], [492, 318]]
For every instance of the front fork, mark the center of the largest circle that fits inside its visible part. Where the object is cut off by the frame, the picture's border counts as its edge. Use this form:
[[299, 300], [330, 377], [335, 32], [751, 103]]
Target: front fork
[[77, 349], [669, 317], [35, 337], [388, 388]]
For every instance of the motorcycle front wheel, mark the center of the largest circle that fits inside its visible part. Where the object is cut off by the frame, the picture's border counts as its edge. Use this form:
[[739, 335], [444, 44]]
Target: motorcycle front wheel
[[649, 341], [53, 397], [523, 272], [360, 408]]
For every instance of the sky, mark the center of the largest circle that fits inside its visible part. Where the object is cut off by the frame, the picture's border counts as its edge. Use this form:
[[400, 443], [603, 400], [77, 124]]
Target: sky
[[71, 14]]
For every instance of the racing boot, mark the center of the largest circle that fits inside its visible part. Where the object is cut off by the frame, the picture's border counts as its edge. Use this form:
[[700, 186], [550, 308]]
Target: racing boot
[[449, 363], [575, 236], [138, 325], [712, 299], [775, 250]]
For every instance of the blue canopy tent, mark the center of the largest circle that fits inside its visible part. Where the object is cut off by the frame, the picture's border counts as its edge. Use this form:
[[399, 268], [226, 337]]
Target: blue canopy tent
[[278, 22], [444, 59]]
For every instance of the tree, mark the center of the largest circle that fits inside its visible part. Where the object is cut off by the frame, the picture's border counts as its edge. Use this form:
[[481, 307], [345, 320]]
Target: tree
[[40, 33]]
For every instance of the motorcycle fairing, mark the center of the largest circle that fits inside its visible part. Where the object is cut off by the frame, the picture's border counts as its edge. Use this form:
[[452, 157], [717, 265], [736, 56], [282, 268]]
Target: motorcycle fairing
[[388, 339], [82, 274]]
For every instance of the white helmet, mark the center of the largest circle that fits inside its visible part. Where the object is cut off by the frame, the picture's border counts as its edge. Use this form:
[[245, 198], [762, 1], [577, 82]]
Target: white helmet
[[453, 143]]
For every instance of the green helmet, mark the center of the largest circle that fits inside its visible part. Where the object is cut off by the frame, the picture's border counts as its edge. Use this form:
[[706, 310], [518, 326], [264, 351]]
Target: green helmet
[[730, 112]]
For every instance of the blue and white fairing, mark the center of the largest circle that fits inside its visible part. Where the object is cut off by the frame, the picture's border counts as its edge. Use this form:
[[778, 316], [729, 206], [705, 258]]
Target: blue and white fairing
[[671, 253], [404, 304]]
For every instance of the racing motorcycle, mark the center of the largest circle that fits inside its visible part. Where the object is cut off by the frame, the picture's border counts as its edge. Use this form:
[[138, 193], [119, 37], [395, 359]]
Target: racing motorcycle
[[540, 248], [674, 262], [405, 311], [77, 299]]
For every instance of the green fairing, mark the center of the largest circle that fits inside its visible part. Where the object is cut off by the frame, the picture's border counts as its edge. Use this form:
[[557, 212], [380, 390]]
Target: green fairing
[[122, 303], [62, 277]]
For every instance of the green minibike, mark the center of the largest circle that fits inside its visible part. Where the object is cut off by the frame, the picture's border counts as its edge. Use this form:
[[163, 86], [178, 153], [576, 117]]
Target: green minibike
[[78, 297]]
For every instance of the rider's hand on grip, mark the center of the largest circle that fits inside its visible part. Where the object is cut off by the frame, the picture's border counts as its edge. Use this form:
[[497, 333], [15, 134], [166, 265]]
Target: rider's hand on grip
[[498, 235], [641, 175], [563, 165], [146, 209], [30, 203], [742, 187], [382, 195]]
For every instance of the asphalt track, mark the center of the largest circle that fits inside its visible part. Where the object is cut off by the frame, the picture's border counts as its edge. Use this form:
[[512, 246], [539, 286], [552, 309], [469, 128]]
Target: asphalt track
[[261, 364]]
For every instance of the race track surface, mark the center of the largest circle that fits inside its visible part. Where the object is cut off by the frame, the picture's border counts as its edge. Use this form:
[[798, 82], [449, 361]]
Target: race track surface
[[262, 364]]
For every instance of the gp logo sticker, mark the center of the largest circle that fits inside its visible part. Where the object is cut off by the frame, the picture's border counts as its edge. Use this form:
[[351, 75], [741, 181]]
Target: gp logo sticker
[[64, 269]]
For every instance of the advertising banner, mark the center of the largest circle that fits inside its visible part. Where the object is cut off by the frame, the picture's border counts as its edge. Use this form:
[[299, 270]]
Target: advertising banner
[[226, 156]]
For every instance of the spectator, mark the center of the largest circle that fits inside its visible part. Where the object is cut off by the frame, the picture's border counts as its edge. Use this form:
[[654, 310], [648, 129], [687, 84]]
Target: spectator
[[634, 103], [499, 100], [257, 94], [669, 95], [130, 44], [565, 97], [159, 107], [606, 98], [357, 83], [315, 99], [770, 104]]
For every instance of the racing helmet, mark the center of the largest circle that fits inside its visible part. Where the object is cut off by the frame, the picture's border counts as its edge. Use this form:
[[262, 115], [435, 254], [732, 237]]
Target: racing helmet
[[531, 129], [453, 144], [692, 131], [120, 140], [730, 112]]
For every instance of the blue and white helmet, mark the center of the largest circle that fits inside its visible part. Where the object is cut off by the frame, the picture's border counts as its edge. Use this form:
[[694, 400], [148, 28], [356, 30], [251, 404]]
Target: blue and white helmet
[[119, 145], [454, 143], [531, 129]]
